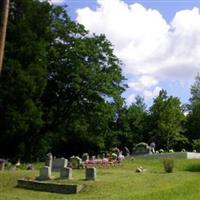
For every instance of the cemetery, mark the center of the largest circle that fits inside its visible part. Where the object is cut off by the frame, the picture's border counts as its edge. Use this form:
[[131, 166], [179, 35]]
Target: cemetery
[[77, 179], [87, 105]]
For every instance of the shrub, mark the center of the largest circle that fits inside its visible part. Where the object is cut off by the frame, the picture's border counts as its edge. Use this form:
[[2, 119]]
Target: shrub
[[196, 145], [168, 164]]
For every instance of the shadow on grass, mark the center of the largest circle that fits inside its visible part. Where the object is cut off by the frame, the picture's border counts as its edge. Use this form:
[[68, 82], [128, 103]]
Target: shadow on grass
[[193, 168]]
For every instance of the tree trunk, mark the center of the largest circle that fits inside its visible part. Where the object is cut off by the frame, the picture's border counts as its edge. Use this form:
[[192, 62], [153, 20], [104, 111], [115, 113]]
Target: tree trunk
[[3, 27]]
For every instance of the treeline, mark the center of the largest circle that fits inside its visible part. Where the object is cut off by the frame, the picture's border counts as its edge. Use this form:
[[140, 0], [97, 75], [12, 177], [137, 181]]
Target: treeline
[[60, 91]]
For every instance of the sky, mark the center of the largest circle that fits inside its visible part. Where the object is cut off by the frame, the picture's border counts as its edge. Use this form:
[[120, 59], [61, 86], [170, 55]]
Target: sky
[[157, 41]]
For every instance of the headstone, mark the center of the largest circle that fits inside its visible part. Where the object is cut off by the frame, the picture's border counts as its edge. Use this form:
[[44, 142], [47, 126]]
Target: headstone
[[18, 164], [2, 164], [90, 173], [141, 149], [49, 159], [45, 173], [59, 164], [85, 156], [75, 162], [29, 167], [152, 146], [126, 151], [66, 173]]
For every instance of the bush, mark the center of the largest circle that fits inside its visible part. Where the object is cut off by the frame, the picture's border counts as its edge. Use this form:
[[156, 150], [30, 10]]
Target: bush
[[196, 145], [168, 165]]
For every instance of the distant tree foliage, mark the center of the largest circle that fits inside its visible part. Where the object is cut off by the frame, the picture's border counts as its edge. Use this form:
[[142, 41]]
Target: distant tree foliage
[[167, 119], [193, 117], [131, 124], [195, 90], [61, 91]]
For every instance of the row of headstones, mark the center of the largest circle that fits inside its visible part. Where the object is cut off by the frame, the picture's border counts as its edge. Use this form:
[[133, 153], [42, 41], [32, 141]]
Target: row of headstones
[[59, 163], [66, 173]]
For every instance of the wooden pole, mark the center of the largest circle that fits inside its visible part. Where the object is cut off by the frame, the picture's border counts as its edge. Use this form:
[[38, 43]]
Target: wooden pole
[[3, 27]]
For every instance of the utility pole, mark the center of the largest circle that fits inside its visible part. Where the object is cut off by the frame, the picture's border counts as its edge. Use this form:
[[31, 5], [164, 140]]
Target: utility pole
[[3, 27]]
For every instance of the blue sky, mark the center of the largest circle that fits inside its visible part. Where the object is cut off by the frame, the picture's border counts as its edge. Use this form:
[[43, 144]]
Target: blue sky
[[158, 41]]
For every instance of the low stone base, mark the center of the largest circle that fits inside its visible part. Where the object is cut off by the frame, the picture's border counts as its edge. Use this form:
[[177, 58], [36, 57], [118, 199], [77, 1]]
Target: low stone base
[[39, 178], [49, 187], [187, 155]]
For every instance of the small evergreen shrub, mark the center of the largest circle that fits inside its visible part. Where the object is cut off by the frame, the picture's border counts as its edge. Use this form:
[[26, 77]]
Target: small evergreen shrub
[[168, 164]]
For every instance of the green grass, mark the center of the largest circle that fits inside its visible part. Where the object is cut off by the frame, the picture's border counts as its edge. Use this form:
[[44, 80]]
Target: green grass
[[121, 182]]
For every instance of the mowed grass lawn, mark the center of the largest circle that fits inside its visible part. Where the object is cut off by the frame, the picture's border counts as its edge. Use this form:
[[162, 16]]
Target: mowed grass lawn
[[121, 182]]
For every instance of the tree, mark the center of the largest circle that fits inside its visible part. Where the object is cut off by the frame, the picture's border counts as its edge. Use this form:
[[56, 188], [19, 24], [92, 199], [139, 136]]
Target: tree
[[193, 117], [167, 119], [24, 78], [131, 124], [195, 90], [62, 86], [84, 86], [3, 26]]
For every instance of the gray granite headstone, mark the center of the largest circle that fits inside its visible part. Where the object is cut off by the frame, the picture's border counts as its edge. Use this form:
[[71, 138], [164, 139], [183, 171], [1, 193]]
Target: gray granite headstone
[[45, 173], [90, 173], [75, 162], [66, 173], [141, 149], [85, 157], [59, 164]]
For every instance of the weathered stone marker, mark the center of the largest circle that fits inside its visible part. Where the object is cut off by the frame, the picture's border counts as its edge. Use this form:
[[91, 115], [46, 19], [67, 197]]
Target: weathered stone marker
[[90, 173], [66, 173], [59, 164], [75, 162], [45, 173], [2, 165], [49, 187], [49, 160]]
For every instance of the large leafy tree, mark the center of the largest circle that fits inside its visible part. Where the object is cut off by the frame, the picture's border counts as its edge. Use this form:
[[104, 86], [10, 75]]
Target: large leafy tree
[[193, 117], [167, 119], [60, 87], [24, 77], [84, 86]]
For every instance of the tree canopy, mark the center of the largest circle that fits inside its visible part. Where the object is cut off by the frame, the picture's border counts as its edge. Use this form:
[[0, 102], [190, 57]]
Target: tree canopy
[[61, 91], [58, 82]]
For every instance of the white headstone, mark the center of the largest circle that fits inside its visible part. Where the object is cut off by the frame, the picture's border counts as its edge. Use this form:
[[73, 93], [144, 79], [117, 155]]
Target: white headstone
[[49, 159], [45, 173]]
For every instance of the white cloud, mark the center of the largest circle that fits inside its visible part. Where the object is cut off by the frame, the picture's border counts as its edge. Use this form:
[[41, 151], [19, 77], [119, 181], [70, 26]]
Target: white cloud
[[130, 99], [148, 94], [142, 83], [151, 49], [57, 2]]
